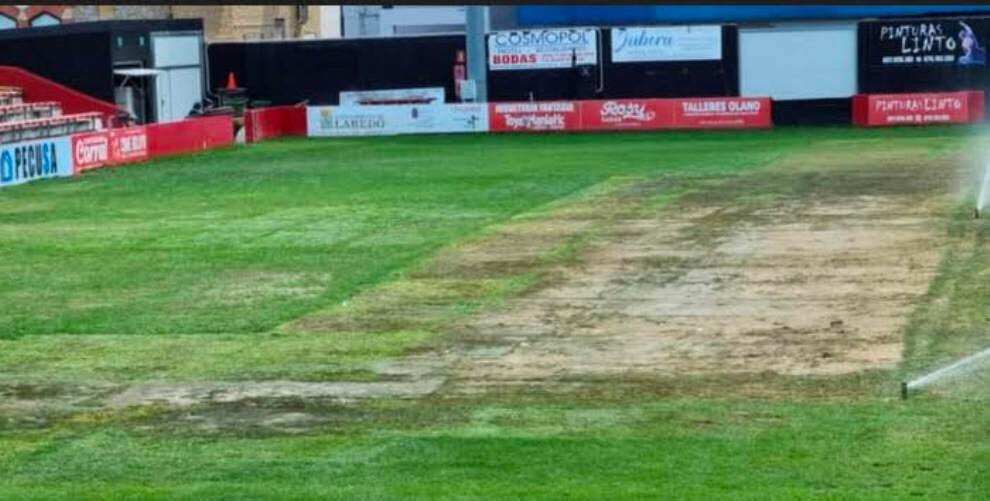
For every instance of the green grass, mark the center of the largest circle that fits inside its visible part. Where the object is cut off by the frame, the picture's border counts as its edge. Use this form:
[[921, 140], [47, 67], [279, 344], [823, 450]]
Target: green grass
[[190, 268], [240, 241], [682, 448]]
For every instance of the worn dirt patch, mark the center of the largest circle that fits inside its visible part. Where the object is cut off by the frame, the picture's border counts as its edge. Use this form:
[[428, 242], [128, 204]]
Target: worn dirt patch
[[185, 394], [818, 284], [36, 405]]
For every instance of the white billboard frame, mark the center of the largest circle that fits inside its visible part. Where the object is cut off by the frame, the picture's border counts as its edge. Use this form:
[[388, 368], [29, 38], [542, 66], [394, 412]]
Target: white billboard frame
[[543, 48], [637, 44]]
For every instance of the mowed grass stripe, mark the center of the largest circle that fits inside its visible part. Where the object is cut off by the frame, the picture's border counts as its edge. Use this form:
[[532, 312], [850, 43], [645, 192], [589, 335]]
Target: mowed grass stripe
[[283, 228]]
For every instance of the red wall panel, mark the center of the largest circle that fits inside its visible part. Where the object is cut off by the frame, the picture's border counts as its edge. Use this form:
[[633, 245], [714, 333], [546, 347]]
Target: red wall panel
[[277, 121], [190, 135]]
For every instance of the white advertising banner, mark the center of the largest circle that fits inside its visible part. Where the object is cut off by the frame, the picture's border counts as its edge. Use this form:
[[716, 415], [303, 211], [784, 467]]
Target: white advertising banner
[[542, 49], [385, 120], [449, 118], [433, 95], [635, 44], [32, 160], [352, 120]]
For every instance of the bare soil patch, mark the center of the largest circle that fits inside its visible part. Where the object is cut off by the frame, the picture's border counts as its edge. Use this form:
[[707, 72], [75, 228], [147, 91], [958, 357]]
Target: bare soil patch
[[818, 279], [37, 405], [175, 394]]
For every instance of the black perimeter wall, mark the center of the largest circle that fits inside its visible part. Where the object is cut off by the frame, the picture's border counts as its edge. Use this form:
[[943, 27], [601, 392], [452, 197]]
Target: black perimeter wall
[[625, 80], [317, 70], [81, 61], [827, 111], [82, 55]]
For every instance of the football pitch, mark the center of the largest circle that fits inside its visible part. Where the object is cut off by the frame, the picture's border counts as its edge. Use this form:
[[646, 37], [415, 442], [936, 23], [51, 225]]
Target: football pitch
[[636, 315]]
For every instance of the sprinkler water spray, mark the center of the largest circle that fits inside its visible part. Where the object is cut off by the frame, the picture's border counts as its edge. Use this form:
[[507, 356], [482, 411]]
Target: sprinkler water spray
[[959, 368], [984, 193]]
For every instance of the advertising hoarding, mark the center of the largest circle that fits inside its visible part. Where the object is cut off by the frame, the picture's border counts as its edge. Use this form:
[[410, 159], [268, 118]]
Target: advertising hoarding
[[626, 114], [542, 49], [110, 147], [534, 116], [384, 120], [918, 108], [426, 95], [28, 161], [958, 41], [722, 112], [668, 43]]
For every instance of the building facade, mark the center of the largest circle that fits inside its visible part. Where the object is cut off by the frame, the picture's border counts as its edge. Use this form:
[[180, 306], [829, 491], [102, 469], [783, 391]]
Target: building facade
[[231, 22], [25, 16], [362, 21]]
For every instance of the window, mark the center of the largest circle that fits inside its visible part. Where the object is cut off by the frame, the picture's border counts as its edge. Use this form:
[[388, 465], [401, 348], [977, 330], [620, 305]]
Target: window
[[7, 23], [45, 19]]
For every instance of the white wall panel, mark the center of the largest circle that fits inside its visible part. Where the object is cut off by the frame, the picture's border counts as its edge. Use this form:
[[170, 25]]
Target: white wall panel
[[173, 50], [798, 60]]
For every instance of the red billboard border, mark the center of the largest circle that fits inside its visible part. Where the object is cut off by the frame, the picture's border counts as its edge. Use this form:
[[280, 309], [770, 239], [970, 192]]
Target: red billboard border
[[93, 150], [918, 108], [631, 114]]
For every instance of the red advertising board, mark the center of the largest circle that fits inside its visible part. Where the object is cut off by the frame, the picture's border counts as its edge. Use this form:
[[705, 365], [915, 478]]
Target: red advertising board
[[918, 108], [534, 116], [129, 144], [90, 151], [109, 147], [570, 116], [977, 106], [132, 144], [721, 112], [631, 114], [626, 114]]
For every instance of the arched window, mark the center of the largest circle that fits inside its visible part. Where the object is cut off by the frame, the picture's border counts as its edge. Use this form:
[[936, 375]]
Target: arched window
[[45, 19], [7, 23]]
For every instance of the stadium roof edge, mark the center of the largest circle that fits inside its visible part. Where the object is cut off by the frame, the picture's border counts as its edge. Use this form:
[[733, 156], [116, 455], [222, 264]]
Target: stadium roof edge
[[188, 24], [567, 15]]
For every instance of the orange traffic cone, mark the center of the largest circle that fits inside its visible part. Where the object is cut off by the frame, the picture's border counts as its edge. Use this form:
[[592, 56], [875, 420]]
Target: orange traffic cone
[[231, 82]]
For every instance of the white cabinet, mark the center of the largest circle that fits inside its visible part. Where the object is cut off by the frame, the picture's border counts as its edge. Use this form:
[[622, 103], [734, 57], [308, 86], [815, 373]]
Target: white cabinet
[[180, 85]]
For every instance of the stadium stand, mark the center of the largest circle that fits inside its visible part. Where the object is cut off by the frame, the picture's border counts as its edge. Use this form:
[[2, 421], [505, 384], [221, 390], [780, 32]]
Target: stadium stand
[[24, 120]]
